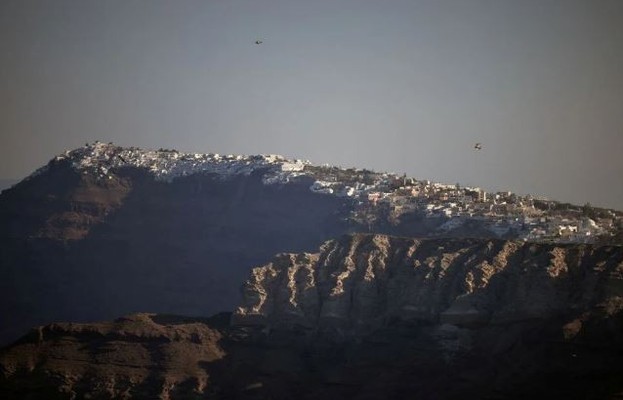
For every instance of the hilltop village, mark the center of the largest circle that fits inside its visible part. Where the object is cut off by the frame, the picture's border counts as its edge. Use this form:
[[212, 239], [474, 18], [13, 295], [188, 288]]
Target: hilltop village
[[505, 214], [502, 214]]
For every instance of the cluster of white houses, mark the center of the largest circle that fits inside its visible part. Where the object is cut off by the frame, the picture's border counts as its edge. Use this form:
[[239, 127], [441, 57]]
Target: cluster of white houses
[[503, 213]]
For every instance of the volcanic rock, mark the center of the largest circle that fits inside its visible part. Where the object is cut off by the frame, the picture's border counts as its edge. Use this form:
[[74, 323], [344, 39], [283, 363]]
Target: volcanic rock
[[366, 317]]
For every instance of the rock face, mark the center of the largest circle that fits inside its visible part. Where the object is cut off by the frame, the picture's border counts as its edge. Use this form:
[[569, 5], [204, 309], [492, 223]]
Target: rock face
[[140, 356], [76, 247], [361, 283], [103, 231], [367, 317], [173, 232]]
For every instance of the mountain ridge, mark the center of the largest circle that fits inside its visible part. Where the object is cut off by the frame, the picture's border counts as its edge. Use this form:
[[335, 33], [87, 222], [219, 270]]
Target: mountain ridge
[[180, 243], [383, 286], [372, 193]]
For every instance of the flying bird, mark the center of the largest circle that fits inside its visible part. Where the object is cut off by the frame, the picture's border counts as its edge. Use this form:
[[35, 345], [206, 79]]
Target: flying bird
[[258, 42], [478, 146]]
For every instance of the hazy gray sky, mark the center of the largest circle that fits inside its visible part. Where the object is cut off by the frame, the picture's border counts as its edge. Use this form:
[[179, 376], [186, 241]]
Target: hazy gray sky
[[402, 86]]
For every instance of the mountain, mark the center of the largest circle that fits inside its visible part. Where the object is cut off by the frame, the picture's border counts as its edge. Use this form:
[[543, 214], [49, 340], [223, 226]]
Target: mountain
[[79, 244], [103, 230], [7, 183], [365, 316]]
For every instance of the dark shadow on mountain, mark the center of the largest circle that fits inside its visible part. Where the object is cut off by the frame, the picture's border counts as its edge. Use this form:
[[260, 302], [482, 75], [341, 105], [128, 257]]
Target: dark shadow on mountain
[[182, 247]]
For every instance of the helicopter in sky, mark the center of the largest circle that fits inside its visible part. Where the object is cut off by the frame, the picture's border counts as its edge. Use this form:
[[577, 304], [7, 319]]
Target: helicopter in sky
[[258, 42], [478, 146]]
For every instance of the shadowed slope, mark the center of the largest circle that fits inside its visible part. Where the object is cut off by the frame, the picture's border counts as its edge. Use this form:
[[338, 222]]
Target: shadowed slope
[[77, 248]]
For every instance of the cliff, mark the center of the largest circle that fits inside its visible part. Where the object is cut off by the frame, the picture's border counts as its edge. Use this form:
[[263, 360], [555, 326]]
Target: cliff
[[366, 317], [165, 231], [143, 356], [360, 283], [104, 230], [78, 247]]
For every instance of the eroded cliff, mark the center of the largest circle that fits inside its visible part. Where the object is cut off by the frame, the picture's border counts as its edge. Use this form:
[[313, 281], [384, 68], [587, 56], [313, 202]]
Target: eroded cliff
[[363, 282], [367, 317]]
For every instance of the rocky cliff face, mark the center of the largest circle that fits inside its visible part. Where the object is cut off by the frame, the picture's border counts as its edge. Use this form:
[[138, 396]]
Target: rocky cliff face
[[360, 283], [165, 231], [77, 247], [368, 316], [139, 356], [177, 232]]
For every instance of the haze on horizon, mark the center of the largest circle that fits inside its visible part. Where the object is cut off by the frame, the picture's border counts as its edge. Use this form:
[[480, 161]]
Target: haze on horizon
[[403, 86]]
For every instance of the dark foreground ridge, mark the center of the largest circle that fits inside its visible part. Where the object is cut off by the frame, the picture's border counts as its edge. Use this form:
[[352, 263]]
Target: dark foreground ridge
[[366, 317]]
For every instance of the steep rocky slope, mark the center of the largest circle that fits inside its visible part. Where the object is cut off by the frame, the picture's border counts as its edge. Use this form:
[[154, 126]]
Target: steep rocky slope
[[140, 356], [75, 247], [103, 230], [368, 316], [361, 282]]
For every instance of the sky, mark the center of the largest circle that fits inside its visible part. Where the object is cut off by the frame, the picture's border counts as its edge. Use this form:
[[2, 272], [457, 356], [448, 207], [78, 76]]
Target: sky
[[403, 86]]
